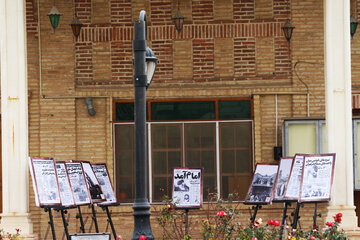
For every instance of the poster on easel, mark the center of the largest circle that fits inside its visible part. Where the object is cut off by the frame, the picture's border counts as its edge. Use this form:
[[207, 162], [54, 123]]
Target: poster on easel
[[262, 185], [66, 192], [292, 191], [318, 176], [78, 183], [187, 187], [45, 181], [103, 177], [282, 177], [96, 192]]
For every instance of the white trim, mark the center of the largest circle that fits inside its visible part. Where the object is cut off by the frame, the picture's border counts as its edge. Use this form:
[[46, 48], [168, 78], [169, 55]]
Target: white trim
[[218, 182], [150, 162]]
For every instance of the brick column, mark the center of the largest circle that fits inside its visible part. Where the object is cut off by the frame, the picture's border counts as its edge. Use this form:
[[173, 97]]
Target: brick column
[[14, 118], [338, 107]]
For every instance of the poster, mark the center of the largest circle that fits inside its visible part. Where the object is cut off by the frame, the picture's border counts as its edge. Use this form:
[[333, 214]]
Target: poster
[[103, 177], [187, 187], [318, 175], [292, 191], [66, 193], [45, 181], [262, 184], [282, 177], [78, 183], [90, 236], [94, 187]]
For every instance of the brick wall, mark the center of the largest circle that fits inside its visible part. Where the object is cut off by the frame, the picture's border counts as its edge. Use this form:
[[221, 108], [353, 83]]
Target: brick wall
[[246, 55]]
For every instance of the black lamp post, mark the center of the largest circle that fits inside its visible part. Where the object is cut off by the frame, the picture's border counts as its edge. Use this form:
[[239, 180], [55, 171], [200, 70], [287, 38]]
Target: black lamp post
[[144, 69]]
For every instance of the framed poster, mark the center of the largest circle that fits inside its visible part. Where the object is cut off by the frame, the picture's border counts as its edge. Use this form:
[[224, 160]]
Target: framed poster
[[96, 193], [45, 181], [90, 236], [282, 177], [78, 183], [292, 191], [262, 185], [103, 177], [66, 192], [318, 176], [187, 187]]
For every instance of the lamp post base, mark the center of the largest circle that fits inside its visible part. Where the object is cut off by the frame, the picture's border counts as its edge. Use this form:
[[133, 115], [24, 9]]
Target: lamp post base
[[142, 220]]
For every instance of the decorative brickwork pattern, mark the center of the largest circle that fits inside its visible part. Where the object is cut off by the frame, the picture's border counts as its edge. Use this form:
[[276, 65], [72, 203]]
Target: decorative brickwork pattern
[[100, 11], [101, 62], [224, 58], [263, 9], [265, 59], [183, 64], [223, 9]]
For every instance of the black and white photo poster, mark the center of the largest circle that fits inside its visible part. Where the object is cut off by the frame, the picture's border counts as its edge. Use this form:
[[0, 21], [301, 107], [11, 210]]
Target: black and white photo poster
[[187, 187], [282, 177], [292, 191], [262, 185], [78, 183], [46, 186], [66, 193], [95, 190], [102, 175], [318, 174]]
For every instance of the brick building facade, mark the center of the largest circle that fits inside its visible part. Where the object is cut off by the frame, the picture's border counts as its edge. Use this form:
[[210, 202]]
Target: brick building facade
[[227, 50]]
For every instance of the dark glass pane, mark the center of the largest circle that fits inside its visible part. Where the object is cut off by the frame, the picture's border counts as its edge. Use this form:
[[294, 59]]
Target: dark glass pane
[[124, 111], [125, 163], [234, 109], [162, 188], [243, 131], [159, 160], [174, 139], [209, 187], [158, 136], [193, 159], [124, 137], [227, 161], [174, 161], [208, 161], [227, 135], [183, 110], [125, 187], [208, 136], [243, 161], [192, 135]]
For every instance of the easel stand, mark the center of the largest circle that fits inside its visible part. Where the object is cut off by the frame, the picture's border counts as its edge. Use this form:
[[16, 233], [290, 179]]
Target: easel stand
[[296, 215], [94, 218], [106, 208], [253, 216], [283, 221], [65, 223], [79, 216], [315, 226], [186, 221], [51, 221]]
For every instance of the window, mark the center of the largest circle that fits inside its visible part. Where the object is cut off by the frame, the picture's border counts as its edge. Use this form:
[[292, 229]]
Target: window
[[215, 135]]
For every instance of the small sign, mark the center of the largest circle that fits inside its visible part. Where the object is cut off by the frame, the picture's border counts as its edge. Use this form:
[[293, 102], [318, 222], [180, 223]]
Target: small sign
[[282, 177], [45, 181], [66, 193], [292, 191], [262, 185], [318, 176], [78, 183], [187, 187], [96, 193], [90, 236], [102, 175]]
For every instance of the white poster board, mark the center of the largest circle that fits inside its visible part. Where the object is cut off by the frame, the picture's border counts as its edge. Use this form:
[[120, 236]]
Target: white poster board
[[292, 191], [318, 176], [262, 185], [282, 178], [78, 183], [66, 193], [96, 193], [45, 181], [187, 187], [90, 236], [103, 177]]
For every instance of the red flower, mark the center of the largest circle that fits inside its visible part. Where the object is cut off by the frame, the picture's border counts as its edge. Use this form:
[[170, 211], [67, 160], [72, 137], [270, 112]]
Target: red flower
[[221, 213], [170, 207], [271, 222], [330, 224], [276, 223], [142, 237], [339, 215], [17, 230], [338, 220], [312, 238], [254, 238]]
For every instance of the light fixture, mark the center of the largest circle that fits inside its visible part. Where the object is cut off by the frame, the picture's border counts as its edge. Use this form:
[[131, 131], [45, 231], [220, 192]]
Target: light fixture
[[353, 25], [150, 66], [76, 26], [288, 30], [54, 16], [178, 20]]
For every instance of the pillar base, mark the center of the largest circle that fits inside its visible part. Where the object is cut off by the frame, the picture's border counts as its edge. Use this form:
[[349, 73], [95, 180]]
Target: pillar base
[[349, 219], [11, 222]]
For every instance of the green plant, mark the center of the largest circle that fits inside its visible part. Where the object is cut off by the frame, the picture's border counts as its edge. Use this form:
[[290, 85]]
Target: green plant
[[11, 236]]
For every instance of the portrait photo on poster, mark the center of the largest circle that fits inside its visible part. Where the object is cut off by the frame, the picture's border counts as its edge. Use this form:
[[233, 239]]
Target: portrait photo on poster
[[94, 187], [282, 177], [187, 187], [102, 175], [262, 184]]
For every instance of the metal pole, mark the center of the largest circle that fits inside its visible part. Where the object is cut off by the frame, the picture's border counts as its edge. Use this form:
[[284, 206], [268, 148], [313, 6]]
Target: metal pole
[[94, 218], [141, 205]]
